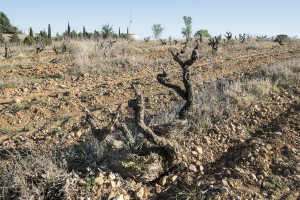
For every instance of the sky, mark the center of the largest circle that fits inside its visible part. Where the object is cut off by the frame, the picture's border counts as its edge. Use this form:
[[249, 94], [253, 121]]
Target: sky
[[254, 17]]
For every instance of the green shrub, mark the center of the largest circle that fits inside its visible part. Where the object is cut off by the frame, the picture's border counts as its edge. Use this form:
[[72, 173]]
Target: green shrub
[[1, 38], [14, 38], [29, 40], [48, 41], [202, 32]]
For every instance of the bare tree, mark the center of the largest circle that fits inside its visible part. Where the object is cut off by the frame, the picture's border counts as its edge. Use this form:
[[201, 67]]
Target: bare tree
[[7, 50], [64, 46], [170, 40], [228, 35], [163, 42], [188, 93], [214, 43], [146, 39], [110, 45], [242, 38], [40, 47]]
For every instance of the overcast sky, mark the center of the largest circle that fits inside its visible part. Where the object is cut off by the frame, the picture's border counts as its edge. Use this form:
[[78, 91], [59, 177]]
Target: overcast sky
[[255, 17]]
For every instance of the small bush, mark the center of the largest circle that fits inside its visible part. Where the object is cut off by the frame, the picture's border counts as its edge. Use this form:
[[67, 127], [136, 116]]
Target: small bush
[[14, 38], [5, 131], [28, 40], [29, 174]]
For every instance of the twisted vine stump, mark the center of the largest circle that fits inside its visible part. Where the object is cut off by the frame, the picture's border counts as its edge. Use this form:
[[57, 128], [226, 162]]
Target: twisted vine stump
[[188, 93], [7, 50], [214, 43], [158, 157]]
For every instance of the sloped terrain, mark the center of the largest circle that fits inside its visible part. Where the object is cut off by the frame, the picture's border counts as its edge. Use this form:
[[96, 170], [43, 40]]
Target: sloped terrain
[[242, 143]]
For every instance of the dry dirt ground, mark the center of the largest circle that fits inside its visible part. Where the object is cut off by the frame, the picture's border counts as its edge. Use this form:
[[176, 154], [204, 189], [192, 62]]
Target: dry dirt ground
[[250, 153]]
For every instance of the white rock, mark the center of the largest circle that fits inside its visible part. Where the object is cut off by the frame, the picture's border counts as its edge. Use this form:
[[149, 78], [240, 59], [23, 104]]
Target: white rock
[[99, 181], [192, 168], [224, 182], [201, 168], [111, 177], [183, 165], [139, 193], [252, 176], [17, 100], [199, 150], [206, 140], [121, 197], [173, 179], [163, 180], [113, 184], [78, 134]]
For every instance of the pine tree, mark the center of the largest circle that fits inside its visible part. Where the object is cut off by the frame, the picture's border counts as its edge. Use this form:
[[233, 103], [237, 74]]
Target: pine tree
[[5, 25], [49, 31], [30, 32]]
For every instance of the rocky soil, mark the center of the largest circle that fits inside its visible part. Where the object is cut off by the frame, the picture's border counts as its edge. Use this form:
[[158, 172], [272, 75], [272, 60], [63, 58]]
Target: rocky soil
[[251, 153]]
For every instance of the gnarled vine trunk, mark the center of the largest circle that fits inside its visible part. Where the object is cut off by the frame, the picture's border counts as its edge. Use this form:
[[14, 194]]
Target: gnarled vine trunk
[[188, 93]]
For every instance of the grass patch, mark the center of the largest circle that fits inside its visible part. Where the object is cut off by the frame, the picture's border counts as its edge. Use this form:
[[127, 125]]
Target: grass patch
[[5, 131], [189, 192], [27, 128], [273, 182], [62, 118], [13, 81], [14, 109], [136, 165], [97, 107]]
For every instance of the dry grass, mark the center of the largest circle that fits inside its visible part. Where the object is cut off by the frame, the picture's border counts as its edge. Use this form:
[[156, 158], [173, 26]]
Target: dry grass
[[121, 56], [12, 81], [30, 174], [214, 103]]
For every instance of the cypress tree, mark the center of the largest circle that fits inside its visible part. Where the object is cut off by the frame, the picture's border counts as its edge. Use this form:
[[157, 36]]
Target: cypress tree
[[83, 32], [127, 31], [30, 32], [69, 30], [49, 31], [119, 32]]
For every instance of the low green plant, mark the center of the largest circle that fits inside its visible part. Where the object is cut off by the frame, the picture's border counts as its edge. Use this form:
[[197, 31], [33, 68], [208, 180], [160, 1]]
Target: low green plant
[[275, 89], [54, 131], [273, 182], [137, 165], [14, 38], [90, 183], [190, 192], [5, 130], [61, 117], [15, 108], [97, 107], [27, 128], [28, 40]]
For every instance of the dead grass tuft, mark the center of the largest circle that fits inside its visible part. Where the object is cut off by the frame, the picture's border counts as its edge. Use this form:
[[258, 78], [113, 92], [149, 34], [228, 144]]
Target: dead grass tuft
[[30, 174]]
